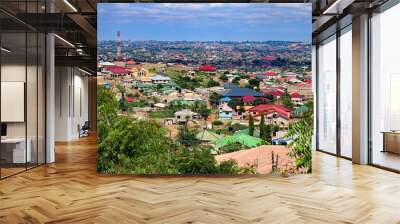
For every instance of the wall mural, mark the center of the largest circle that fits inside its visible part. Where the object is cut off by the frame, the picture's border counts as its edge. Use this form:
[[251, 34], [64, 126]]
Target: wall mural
[[204, 88]]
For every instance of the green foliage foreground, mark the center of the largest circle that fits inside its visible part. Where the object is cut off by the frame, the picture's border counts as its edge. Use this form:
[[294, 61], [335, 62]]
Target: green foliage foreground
[[302, 132], [129, 146]]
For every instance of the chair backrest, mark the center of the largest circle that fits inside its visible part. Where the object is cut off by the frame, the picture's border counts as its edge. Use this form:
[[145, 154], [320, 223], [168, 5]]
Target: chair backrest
[[86, 125]]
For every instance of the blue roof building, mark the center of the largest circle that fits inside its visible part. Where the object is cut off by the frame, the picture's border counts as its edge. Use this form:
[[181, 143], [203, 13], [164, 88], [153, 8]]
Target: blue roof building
[[241, 92], [225, 99]]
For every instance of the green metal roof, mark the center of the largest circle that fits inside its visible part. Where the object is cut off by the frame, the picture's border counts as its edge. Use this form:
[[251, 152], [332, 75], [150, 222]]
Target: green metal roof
[[301, 110], [241, 138], [207, 135]]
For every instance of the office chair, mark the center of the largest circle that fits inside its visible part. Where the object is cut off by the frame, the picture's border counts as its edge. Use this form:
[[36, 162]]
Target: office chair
[[84, 130]]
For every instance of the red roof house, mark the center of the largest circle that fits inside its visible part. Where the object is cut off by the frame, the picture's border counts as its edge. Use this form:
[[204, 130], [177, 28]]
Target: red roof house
[[117, 70], [207, 68], [253, 75], [130, 62], [303, 85], [130, 99], [268, 109], [260, 157], [265, 100], [269, 58], [275, 93], [296, 95], [271, 74], [248, 99]]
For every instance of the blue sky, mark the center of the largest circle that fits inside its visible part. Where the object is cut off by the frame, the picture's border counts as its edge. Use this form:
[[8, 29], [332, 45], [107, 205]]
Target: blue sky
[[205, 21]]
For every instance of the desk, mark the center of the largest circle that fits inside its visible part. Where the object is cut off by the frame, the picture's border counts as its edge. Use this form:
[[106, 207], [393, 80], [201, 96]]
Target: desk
[[391, 141], [13, 150]]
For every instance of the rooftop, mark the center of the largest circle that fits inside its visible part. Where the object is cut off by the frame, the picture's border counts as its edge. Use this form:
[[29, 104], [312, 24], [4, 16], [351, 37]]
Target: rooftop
[[207, 68], [236, 91], [260, 155], [267, 108], [159, 77], [117, 69]]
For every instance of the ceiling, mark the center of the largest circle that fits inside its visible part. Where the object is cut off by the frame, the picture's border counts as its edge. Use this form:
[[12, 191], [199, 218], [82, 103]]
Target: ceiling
[[330, 15], [74, 22]]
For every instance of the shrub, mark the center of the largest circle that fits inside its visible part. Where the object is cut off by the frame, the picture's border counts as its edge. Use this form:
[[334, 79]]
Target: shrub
[[187, 136], [135, 147], [231, 167], [107, 108], [195, 160], [228, 167], [217, 123], [231, 148], [212, 83]]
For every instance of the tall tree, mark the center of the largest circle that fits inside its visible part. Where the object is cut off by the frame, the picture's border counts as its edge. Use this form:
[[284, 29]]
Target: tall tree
[[262, 127], [204, 112], [223, 77], [287, 100], [107, 108], [214, 97], [268, 134], [212, 83], [187, 136], [251, 125]]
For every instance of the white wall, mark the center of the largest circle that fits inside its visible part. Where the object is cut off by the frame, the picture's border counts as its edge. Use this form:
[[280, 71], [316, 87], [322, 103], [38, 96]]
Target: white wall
[[71, 102]]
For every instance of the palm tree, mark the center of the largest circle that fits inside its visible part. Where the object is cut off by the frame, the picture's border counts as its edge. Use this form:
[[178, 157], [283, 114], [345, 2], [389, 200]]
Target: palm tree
[[301, 132]]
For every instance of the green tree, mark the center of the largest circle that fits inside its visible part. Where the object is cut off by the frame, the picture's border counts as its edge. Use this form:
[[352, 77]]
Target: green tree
[[136, 147], [200, 160], [123, 105], [254, 83], [212, 83], [121, 89], [262, 127], [159, 86], [251, 125], [107, 108], [204, 112], [287, 100], [187, 136], [223, 77], [233, 147], [268, 134], [234, 103], [195, 160], [236, 80], [301, 132], [214, 98], [196, 106]]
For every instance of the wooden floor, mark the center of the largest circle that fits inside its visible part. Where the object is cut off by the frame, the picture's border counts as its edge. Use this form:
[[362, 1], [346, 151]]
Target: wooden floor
[[71, 191]]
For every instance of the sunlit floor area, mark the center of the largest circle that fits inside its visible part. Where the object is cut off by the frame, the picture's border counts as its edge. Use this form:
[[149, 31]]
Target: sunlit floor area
[[387, 159], [8, 171], [71, 191], [12, 169]]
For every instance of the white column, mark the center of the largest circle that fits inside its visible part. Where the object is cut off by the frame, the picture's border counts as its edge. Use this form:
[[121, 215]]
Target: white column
[[50, 99], [314, 84], [360, 90]]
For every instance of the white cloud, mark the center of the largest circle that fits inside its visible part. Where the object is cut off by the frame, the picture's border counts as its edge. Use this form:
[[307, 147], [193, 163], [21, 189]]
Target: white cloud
[[211, 12]]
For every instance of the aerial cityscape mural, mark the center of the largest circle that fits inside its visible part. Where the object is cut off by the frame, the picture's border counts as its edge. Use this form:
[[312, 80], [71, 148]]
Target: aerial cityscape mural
[[204, 88]]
